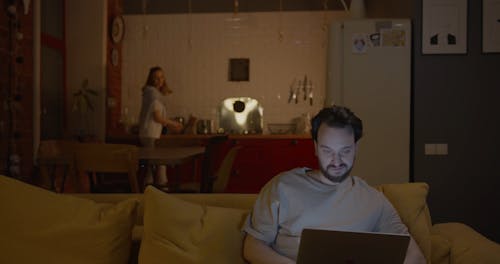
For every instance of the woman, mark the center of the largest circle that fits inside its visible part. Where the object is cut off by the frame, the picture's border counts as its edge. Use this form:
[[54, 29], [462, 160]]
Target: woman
[[153, 119]]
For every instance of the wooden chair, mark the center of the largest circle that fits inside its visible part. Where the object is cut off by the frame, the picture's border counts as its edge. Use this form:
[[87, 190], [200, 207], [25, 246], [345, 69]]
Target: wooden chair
[[216, 183], [55, 159], [172, 142], [99, 159]]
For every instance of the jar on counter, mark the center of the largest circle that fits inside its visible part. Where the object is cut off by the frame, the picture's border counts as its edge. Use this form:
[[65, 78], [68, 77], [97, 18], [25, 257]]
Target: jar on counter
[[204, 126]]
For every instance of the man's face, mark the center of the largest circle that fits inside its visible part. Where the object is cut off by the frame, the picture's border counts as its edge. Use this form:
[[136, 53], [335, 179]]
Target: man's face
[[336, 151]]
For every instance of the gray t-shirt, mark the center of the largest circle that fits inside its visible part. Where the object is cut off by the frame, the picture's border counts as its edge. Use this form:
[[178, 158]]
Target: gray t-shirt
[[293, 200]]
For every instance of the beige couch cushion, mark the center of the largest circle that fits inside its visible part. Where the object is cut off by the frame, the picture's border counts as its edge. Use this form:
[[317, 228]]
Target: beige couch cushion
[[179, 231], [410, 202], [469, 246], [39, 226], [441, 248]]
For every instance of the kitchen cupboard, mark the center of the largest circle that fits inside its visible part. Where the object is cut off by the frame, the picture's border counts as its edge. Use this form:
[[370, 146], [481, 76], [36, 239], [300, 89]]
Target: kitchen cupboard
[[260, 159]]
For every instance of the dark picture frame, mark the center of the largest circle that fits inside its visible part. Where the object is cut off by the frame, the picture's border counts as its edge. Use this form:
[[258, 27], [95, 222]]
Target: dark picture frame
[[239, 69]]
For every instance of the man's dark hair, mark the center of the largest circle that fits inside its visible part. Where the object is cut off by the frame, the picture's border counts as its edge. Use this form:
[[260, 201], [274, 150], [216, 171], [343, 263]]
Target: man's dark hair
[[337, 116]]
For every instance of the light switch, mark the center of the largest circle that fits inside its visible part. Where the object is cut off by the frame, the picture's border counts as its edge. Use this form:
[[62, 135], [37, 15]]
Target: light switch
[[430, 149], [442, 149]]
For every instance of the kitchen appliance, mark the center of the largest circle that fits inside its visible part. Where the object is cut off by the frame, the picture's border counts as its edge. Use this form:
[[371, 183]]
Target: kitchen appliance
[[368, 70], [241, 115]]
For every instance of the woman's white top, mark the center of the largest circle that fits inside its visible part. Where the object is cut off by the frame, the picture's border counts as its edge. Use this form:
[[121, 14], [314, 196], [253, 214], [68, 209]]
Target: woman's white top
[[151, 102]]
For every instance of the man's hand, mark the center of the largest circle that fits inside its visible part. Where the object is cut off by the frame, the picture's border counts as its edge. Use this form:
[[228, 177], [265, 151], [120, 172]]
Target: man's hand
[[257, 252]]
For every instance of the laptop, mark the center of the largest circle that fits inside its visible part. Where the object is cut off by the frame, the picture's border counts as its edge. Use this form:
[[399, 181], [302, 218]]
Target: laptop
[[319, 246]]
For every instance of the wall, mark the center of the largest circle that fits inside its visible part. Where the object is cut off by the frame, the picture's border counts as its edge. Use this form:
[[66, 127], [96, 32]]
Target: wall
[[388, 8], [456, 102], [86, 36], [194, 51]]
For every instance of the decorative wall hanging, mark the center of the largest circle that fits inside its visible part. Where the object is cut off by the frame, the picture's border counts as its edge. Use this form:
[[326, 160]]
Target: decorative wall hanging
[[444, 27], [117, 29]]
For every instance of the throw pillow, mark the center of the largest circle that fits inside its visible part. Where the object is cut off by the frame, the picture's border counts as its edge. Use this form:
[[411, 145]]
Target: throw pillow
[[409, 199], [39, 226], [178, 231]]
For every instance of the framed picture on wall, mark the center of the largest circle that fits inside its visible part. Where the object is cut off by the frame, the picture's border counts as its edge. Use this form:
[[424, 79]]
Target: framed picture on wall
[[491, 26], [444, 26]]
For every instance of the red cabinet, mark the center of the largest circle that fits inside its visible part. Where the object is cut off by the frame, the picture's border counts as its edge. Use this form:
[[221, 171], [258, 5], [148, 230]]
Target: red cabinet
[[260, 159]]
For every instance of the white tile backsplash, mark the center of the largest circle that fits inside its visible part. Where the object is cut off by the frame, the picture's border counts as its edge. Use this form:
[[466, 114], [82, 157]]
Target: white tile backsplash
[[194, 51]]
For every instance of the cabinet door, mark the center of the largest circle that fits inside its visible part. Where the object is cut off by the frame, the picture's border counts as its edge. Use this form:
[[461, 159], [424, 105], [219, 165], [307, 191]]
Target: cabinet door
[[251, 167], [293, 153], [258, 161]]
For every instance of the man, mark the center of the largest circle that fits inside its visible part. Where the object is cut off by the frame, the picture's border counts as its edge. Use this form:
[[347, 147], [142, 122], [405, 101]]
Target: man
[[328, 198]]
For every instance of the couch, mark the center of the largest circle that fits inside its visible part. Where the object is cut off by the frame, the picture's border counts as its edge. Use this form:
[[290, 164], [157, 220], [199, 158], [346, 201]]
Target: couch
[[155, 227]]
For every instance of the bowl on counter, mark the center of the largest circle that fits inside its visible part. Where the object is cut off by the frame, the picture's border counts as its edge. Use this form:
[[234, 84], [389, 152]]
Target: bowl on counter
[[281, 128]]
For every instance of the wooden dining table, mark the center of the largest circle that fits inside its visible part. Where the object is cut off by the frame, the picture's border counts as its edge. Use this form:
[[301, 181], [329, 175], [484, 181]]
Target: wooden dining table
[[169, 156]]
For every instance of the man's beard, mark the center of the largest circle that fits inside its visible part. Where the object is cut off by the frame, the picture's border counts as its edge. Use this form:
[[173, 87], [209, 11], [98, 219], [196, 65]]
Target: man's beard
[[336, 179]]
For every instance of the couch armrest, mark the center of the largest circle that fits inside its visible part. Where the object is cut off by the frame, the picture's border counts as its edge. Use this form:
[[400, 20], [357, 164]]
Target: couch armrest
[[467, 245], [440, 249]]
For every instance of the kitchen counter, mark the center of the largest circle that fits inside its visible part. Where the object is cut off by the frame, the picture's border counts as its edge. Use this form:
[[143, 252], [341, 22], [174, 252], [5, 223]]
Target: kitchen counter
[[241, 136], [133, 139], [271, 136]]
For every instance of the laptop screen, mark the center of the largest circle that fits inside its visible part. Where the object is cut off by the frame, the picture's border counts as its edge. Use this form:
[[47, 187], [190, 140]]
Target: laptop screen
[[319, 246]]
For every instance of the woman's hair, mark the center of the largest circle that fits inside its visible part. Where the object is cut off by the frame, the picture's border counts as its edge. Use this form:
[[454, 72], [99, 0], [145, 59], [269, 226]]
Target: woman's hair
[[337, 116], [152, 70]]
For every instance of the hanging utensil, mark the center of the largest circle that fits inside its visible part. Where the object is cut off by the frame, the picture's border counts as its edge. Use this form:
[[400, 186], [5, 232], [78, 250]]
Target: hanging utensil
[[311, 95], [292, 93], [304, 87], [297, 92]]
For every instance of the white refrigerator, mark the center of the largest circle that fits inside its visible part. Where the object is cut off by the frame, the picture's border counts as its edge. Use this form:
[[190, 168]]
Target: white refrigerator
[[369, 71]]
